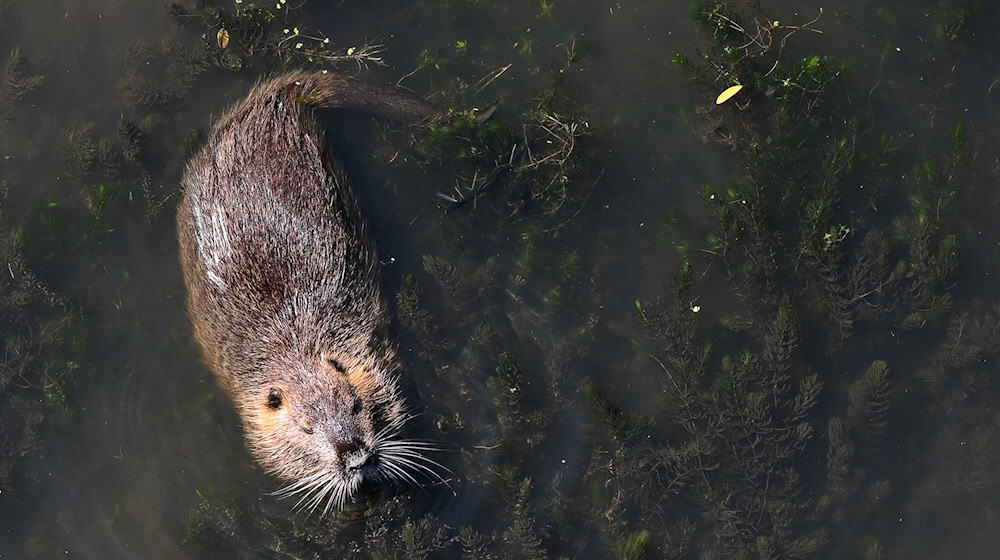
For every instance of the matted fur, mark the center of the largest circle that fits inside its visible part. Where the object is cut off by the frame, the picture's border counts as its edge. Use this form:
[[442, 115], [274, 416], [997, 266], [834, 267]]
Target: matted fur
[[284, 295]]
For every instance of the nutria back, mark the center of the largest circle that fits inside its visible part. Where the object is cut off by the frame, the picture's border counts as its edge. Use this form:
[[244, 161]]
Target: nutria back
[[283, 290]]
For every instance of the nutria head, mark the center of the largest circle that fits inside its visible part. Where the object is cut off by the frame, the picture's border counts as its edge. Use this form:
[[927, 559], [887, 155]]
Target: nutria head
[[329, 423]]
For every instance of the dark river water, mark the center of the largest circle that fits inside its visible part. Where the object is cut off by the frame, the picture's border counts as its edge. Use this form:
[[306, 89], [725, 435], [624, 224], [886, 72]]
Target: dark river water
[[639, 323]]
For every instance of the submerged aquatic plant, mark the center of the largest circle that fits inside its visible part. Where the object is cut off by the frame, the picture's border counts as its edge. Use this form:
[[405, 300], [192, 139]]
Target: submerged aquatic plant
[[541, 165], [18, 83], [248, 35], [418, 320], [795, 244], [536, 164], [81, 149], [158, 77], [42, 352], [132, 141], [869, 403]]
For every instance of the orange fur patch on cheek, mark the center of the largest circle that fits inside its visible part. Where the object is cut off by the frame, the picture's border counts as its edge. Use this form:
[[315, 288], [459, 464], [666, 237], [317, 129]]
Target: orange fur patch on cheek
[[362, 380], [358, 371], [264, 420], [267, 419]]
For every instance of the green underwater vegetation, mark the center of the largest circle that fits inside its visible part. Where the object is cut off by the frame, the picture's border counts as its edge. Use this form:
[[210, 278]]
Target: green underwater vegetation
[[802, 368], [44, 346]]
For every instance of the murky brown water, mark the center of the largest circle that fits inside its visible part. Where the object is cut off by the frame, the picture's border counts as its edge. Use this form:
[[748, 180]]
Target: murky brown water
[[136, 453]]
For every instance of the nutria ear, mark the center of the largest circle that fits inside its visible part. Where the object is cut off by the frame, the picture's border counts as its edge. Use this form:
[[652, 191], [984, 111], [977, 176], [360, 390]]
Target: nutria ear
[[274, 398]]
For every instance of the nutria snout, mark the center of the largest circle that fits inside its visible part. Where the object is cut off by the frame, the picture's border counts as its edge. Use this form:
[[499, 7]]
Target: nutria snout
[[283, 291]]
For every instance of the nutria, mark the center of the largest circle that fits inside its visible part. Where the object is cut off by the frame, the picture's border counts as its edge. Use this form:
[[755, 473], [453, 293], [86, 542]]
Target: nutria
[[283, 290]]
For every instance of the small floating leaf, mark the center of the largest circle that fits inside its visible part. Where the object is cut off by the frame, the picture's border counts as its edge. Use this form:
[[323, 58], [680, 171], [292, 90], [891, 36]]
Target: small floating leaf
[[730, 91], [223, 38]]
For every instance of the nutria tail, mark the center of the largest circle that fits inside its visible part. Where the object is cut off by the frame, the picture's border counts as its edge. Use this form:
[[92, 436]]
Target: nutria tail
[[331, 91]]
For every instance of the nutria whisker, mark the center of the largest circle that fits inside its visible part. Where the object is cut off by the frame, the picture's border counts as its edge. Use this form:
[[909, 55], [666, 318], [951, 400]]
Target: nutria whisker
[[390, 476], [390, 464], [415, 455], [432, 476], [401, 460], [318, 488], [334, 490], [395, 424], [300, 505], [296, 487], [339, 497], [427, 471], [424, 445]]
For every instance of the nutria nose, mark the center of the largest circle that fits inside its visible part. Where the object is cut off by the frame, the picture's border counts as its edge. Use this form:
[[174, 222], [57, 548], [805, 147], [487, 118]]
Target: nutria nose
[[353, 454], [347, 447]]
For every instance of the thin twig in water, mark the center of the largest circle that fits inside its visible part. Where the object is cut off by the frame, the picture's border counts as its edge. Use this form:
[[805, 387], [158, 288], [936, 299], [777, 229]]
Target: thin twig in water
[[419, 67], [491, 76]]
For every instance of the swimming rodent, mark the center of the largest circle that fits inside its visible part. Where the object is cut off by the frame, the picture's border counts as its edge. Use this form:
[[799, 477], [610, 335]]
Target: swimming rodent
[[283, 290]]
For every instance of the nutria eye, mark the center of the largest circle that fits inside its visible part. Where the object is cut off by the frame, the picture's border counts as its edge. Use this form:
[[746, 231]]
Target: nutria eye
[[356, 409], [274, 398], [337, 365], [307, 428]]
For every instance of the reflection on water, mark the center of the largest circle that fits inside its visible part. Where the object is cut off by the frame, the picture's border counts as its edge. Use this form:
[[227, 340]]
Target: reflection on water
[[819, 381]]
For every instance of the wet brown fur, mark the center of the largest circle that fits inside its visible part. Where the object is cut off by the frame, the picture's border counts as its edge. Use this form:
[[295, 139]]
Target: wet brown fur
[[282, 281]]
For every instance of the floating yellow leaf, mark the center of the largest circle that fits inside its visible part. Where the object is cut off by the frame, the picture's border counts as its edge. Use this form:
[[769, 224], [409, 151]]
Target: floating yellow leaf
[[223, 38], [730, 91]]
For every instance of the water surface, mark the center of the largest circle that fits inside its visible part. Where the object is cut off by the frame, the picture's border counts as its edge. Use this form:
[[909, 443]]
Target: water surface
[[117, 444]]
